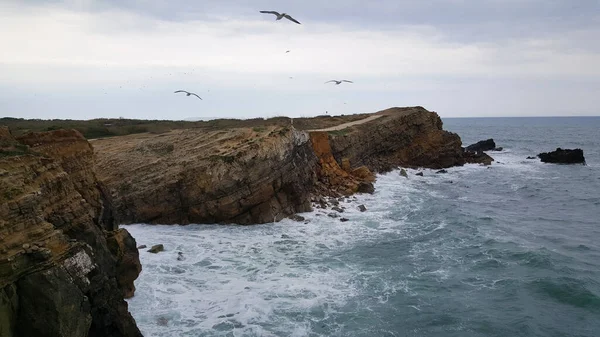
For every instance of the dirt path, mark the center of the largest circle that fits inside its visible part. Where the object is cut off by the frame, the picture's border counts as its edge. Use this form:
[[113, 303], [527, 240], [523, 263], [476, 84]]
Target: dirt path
[[347, 125]]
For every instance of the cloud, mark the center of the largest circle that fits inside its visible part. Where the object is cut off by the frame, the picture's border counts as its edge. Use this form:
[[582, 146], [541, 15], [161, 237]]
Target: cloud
[[91, 48]]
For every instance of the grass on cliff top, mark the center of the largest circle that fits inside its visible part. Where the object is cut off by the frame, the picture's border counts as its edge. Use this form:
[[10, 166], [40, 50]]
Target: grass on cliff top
[[100, 128]]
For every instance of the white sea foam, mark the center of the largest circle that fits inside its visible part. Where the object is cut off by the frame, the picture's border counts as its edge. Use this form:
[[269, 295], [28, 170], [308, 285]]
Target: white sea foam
[[254, 280]]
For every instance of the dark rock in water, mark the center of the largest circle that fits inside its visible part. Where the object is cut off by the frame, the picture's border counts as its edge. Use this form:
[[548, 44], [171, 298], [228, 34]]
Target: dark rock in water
[[484, 145], [561, 156], [180, 256], [419, 174], [142, 247], [156, 248], [500, 148], [333, 215], [344, 219], [338, 209], [362, 208], [297, 217], [442, 171], [530, 157], [480, 157], [365, 187], [403, 173]]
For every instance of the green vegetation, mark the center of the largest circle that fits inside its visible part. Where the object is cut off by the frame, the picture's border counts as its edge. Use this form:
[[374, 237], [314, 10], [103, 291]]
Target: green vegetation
[[15, 150], [259, 129]]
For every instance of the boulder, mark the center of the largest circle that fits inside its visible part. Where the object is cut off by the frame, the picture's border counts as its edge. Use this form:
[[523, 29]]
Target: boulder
[[480, 157], [419, 174], [403, 173], [362, 208], [156, 248], [142, 247], [180, 256], [563, 156], [297, 217], [483, 145], [442, 171], [344, 219], [338, 209], [363, 173], [365, 187], [333, 215]]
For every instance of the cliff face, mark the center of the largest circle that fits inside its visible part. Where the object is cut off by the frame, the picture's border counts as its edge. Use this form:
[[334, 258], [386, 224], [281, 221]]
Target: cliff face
[[407, 137], [242, 176], [263, 174], [64, 266]]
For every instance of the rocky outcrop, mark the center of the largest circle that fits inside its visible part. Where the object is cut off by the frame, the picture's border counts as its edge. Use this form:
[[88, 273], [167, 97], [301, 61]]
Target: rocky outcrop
[[332, 179], [244, 176], [407, 137], [483, 145], [563, 156], [264, 174], [477, 157], [58, 274]]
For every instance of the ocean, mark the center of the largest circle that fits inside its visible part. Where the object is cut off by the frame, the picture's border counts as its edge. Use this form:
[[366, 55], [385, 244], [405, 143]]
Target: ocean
[[512, 249]]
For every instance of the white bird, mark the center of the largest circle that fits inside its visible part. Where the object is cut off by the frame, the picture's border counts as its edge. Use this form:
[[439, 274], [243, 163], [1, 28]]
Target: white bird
[[281, 16], [338, 82], [188, 93]]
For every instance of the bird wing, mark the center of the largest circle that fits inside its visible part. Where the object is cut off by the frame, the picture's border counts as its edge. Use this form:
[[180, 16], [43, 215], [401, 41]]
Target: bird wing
[[331, 81], [181, 91], [270, 12], [287, 16], [347, 81], [196, 95]]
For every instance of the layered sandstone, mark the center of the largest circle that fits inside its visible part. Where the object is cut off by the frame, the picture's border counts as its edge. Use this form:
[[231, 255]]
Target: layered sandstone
[[59, 276], [398, 137], [241, 175]]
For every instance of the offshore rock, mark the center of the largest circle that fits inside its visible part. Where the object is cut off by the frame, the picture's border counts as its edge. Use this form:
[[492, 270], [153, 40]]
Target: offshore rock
[[563, 156], [483, 145], [66, 280]]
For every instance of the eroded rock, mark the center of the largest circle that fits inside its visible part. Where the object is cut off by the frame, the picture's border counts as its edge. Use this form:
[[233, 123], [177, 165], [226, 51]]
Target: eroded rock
[[563, 156]]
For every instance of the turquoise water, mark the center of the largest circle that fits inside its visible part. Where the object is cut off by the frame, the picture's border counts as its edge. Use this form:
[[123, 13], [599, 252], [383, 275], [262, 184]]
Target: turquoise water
[[511, 250]]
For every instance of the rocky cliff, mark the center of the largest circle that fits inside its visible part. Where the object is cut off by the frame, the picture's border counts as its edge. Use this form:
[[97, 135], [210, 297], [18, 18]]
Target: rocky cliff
[[262, 174], [407, 137], [64, 266], [240, 175]]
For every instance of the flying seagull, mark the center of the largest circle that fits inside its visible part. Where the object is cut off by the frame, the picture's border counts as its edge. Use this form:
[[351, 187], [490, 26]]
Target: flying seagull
[[281, 16], [339, 82], [187, 93]]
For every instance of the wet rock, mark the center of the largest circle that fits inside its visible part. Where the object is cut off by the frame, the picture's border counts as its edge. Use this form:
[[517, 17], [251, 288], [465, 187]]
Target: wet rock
[[362, 208], [338, 209], [483, 145], [344, 219], [479, 157], [403, 173], [142, 247], [156, 248], [180, 256], [419, 174], [563, 156], [530, 157], [442, 171], [297, 217], [365, 187], [26, 246], [500, 148], [333, 215]]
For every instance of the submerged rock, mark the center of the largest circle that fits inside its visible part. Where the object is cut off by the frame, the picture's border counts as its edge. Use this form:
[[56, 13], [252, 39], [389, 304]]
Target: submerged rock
[[442, 171], [362, 208], [563, 156], [419, 174], [297, 217], [344, 219], [156, 248], [403, 173], [530, 157]]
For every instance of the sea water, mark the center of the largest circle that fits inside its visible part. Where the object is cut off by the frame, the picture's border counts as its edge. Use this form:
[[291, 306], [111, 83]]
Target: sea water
[[512, 249]]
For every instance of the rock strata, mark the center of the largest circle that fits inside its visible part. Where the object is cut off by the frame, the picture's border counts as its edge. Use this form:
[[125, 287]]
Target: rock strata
[[59, 275]]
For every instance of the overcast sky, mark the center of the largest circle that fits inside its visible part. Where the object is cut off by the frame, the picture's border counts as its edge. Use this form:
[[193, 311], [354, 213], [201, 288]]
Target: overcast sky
[[85, 59]]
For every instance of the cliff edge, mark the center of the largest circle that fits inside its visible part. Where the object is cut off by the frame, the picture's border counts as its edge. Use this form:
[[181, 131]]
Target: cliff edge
[[265, 173], [65, 267]]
